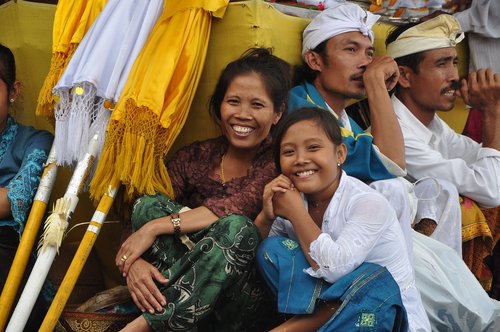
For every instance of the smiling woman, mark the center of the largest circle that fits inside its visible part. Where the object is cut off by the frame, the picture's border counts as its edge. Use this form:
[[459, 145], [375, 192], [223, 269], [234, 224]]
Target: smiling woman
[[214, 283]]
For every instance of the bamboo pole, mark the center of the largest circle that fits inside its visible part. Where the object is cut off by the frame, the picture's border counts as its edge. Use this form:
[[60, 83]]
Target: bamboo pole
[[55, 226], [83, 252], [30, 232]]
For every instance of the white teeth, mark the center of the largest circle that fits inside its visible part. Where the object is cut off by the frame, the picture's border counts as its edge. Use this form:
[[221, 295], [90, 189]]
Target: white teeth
[[449, 93], [305, 173], [242, 130]]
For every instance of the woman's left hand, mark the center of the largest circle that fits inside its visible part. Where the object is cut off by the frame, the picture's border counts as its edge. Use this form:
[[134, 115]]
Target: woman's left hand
[[133, 248]]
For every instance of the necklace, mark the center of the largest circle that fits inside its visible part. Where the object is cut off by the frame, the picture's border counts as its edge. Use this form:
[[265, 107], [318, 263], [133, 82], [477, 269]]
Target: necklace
[[318, 204], [222, 177]]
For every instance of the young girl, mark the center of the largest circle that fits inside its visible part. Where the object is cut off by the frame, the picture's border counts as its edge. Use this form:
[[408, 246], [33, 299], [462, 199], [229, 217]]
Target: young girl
[[342, 226]]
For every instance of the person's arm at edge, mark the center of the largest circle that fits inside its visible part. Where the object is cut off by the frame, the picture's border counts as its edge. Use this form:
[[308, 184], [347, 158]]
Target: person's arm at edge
[[5, 210]]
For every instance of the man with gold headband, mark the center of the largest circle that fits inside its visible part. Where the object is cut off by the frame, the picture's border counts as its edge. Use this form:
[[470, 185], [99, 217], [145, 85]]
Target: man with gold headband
[[429, 82]]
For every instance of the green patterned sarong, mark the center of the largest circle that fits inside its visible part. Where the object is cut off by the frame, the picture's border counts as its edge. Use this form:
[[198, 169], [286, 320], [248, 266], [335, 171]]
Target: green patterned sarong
[[213, 287]]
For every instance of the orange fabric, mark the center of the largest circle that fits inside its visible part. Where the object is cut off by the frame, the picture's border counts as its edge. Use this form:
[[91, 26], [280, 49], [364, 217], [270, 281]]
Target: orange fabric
[[480, 231]]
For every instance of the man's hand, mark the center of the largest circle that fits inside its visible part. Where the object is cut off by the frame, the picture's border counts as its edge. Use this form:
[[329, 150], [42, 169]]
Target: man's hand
[[141, 284], [457, 5], [481, 90], [382, 68]]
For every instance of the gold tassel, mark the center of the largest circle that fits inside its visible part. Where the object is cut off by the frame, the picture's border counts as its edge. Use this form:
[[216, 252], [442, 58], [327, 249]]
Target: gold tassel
[[55, 225]]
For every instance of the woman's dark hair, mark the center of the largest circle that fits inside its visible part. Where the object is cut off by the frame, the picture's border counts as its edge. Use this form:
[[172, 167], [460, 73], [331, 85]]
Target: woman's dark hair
[[324, 119], [274, 72], [304, 72], [411, 60], [7, 67]]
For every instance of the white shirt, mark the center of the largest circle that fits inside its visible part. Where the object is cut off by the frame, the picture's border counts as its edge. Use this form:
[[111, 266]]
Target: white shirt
[[481, 22], [360, 226], [438, 151]]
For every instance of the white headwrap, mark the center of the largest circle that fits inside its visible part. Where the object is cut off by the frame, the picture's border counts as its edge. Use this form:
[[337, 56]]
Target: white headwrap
[[439, 32], [339, 18]]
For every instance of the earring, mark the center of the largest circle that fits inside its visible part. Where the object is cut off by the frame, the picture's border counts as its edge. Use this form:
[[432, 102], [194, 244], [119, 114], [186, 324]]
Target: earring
[[12, 100], [338, 164]]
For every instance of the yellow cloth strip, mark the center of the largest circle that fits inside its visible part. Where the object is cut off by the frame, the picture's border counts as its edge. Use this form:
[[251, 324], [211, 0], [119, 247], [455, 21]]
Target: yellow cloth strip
[[72, 20], [473, 221], [155, 101]]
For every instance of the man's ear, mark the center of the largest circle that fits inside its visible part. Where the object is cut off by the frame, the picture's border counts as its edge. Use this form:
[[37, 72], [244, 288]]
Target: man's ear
[[405, 73], [313, 60]]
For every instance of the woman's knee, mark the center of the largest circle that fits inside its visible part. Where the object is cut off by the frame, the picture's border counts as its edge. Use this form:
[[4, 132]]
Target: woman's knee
[[149, 207], [240, 230]]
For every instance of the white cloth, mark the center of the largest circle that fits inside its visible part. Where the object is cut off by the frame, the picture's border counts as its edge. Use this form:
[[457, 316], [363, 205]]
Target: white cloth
[[360, 226], [398, 192], [453, 298], [340, 17], [98, 71], [438, 200], [438, 151], [482, 24]]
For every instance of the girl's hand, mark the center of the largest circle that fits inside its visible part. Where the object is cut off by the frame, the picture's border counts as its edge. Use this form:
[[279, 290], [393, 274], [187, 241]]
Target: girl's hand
[[141, 284], [133, 248], [280, 184], [286, 203]]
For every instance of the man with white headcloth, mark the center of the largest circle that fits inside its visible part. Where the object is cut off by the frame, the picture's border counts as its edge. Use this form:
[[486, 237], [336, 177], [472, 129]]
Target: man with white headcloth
[[429, 81], [339, 64]]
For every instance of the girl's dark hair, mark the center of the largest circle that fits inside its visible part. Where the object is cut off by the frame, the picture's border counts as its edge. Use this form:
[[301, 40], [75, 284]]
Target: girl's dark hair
[[323, 119], [7, 67], [274, 72]]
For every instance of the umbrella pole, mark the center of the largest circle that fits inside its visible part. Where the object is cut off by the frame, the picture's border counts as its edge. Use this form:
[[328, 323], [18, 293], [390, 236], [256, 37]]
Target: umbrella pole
[[30, 232], [83, 252], [59, 220]]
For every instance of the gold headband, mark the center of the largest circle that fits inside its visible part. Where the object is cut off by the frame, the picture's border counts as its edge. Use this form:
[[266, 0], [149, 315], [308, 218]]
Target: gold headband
[[439, 32]]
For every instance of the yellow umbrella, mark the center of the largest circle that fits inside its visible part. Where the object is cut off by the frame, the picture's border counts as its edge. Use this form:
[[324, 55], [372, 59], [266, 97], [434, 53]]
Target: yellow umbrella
[[72, 20], [156, 99]]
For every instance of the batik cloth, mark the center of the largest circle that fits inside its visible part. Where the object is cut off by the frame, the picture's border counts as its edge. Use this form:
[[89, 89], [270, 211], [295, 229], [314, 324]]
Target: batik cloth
[[369, 296], [214, 286]]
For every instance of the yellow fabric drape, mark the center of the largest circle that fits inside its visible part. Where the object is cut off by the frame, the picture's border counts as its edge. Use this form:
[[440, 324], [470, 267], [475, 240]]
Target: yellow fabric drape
[[72, 20], [155, 101]]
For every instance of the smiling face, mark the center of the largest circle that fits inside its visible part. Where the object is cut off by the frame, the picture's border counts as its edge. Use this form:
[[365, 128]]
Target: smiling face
[[309, 158], [247, 112], [340, 69], [433, 87]]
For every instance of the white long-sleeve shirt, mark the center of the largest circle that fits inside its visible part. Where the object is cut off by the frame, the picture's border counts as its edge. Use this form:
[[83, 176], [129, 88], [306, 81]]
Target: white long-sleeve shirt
[[438, 151], [360, 226], [482, 23]]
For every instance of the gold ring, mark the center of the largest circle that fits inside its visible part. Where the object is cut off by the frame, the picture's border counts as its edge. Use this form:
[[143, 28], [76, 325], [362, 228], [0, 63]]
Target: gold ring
[[123, 258]]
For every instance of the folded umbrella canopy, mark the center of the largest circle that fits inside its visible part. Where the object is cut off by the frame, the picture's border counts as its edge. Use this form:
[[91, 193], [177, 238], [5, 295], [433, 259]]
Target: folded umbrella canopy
[[155, 102], [97, 72], [72, 20]]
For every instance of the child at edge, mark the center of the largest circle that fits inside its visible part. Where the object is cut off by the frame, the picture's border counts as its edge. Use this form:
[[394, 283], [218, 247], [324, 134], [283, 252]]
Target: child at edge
[[335, 255]]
